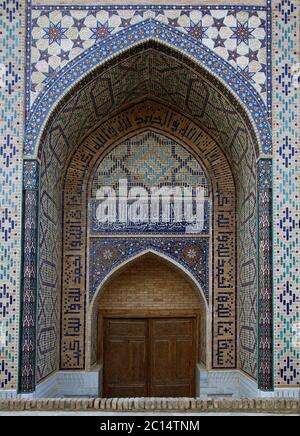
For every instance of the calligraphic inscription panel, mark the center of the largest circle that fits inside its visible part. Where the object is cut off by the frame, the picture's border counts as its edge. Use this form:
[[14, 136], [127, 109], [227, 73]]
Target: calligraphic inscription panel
[[150, 184]]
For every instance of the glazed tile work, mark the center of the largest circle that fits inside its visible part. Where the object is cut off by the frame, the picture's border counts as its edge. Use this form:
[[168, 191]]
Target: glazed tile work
[[29, 279], [192, 254], [286, 185], [130, 37], [60, 35], [265, 284], [151, 161], [218, 79], [12, 17]]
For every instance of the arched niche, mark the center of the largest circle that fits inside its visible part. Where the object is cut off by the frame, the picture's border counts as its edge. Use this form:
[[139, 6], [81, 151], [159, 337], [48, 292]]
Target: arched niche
[[78, 246], [196, 303], [100, 97]]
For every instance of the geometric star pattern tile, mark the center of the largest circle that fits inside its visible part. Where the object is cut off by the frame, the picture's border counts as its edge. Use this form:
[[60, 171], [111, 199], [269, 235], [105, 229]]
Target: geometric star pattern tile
[[60, 34]]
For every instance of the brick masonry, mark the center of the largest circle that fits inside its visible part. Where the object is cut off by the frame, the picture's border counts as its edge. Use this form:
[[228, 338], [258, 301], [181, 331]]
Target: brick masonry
[[149, 283]]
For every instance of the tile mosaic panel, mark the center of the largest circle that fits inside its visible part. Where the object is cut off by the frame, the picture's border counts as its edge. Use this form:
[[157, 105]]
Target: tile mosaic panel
[[107, 254], [151, 162], [49, 269], [60, 34], [131, 37], [12, 16], [286, 48], [247, 263]]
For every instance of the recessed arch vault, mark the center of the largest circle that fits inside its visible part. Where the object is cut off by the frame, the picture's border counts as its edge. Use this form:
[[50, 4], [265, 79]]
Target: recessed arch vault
[[133, 120], [202, 110]]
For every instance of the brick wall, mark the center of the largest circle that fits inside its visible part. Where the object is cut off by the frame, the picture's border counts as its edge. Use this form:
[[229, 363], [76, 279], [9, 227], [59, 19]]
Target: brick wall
[[150, 284]]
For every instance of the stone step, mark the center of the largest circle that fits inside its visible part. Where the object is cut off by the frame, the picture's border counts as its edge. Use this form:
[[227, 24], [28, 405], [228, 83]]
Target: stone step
[[157, 404]]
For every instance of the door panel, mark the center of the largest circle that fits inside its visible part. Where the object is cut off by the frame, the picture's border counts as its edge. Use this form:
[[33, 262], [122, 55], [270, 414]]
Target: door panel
[[173, 360], [161, 362], [183, 360], [172, 327], [149, 357], [125, 372]]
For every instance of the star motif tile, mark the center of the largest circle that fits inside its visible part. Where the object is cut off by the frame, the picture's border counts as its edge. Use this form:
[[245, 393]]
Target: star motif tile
[[198, 31], [101, 31]]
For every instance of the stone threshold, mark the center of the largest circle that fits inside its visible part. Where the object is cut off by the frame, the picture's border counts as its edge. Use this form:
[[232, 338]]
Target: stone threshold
[[183, 405]]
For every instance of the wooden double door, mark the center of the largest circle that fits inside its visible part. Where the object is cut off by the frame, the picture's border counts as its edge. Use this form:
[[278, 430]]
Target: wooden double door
[[149, 357]]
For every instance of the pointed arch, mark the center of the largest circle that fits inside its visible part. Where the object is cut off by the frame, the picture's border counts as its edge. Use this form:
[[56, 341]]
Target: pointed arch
[[201, 147], [131, 259], [92, 337]]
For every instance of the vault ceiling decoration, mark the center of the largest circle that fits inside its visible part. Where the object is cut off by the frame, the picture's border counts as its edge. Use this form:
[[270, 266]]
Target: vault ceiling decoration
[[149, 70], [60, 34], [92, 60]]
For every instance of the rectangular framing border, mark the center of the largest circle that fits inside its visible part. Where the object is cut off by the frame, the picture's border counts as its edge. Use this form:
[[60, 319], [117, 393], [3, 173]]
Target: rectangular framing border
[[28, 300], [265, 283]]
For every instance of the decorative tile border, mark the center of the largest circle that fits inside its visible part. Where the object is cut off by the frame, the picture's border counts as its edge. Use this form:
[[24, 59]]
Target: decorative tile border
[[151, 161], [265, 297], [286, 48], [27, 360]]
